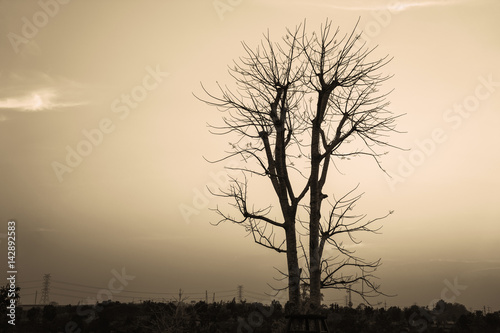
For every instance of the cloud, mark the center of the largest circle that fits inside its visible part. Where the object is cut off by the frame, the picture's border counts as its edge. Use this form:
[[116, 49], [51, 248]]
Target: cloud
[[392, 5], [38, 91], [403, 5], [38, 100]]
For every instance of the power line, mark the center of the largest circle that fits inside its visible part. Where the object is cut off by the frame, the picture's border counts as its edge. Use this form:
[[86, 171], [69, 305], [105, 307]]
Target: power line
[[79, 291], [27, 288], [123, 291], [51, 282], [66, 295], [37, 281], [141, 292], [256, 293], [24, 295], [72, 290]]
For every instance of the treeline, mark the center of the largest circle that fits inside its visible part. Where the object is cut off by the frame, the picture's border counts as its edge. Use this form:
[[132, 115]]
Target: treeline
[[243, 317]]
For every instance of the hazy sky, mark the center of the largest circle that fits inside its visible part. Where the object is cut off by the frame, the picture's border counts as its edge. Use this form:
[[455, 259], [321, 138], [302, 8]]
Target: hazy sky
[[102, 146]]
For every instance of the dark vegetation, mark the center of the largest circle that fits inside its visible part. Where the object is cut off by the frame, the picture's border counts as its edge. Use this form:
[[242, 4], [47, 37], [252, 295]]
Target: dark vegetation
[[244, 317]]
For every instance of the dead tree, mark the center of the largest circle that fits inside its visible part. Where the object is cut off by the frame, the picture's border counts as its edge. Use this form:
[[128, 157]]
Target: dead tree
[[298, 106]]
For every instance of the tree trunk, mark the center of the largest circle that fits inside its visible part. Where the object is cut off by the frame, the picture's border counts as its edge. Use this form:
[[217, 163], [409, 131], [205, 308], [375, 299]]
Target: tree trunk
[[315, 204], [293, 267], [314, 258]]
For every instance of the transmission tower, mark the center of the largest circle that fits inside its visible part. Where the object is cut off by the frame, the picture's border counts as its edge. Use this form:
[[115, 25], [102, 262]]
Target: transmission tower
[[348, 298], [240, 293], [45, 289]]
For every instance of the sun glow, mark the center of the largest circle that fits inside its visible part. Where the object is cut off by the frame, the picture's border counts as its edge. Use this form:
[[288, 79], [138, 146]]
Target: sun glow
[[38, 103], [38, 100]]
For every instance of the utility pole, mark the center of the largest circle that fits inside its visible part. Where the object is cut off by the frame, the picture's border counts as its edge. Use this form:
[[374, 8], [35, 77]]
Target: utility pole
[[213, 298], [45, 289], [240, 293], [206, 296]]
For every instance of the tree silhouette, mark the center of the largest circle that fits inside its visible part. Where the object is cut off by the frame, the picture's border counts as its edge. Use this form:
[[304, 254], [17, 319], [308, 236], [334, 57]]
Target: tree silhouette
[[299, 106]]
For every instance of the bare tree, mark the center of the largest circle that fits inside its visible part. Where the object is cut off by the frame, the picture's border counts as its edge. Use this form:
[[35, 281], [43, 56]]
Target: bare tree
[[298, 106]]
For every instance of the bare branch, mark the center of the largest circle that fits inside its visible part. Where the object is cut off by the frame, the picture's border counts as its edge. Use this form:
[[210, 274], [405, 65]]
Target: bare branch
[[298, 106]]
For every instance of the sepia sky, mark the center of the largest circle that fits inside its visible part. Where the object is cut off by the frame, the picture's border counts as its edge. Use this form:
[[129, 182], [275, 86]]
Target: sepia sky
[[103, 147]]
